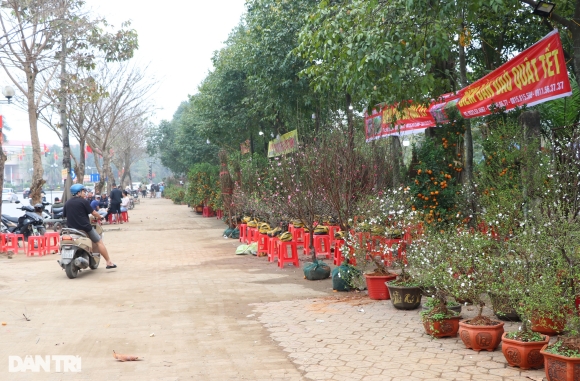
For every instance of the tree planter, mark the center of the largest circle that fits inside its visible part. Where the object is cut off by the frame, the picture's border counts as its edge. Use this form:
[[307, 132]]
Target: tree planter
[[199, 209], [456, 308], [442, 328], [377, 287], [525, 355], [404, 298], [502, 309], [560, 368], [547, 326], [481, 337]]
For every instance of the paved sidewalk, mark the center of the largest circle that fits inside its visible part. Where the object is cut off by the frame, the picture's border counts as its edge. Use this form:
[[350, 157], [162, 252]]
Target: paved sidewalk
[[192, 310], [354, 338]]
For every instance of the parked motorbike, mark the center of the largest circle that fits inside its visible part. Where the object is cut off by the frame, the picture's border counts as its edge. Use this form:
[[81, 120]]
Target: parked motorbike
[[54, 220], [76, 251], [31, 223]]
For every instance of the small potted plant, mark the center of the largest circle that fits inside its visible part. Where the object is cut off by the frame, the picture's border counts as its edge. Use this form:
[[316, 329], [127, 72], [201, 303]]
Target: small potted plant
[[373, 268], [529, 286], [470, 255], [429, 258], [405, 291], [562, 359]]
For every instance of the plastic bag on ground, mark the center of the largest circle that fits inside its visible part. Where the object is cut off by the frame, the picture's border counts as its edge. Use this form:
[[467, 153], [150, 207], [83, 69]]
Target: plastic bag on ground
[[339, 278], [316, 270], [247, 249]]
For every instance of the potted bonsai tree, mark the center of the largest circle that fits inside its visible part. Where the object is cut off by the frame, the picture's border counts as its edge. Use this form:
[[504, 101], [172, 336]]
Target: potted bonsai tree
[[371, 246], [531, 286], [429, 257], [470, 256]]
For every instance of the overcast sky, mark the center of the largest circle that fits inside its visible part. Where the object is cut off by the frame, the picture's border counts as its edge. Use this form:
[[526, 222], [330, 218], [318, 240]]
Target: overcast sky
[[176, 41]]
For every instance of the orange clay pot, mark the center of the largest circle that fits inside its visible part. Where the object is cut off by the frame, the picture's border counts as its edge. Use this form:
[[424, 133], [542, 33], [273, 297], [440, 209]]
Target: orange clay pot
[[442, 328], [481, 337], [522, 354], [560, 368]]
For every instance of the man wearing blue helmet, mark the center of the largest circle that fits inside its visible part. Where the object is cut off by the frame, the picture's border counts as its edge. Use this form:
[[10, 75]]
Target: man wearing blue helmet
[[76, 211]]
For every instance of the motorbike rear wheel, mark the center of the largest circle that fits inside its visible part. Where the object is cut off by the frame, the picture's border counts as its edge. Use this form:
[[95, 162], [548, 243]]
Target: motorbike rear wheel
[[71, 270]]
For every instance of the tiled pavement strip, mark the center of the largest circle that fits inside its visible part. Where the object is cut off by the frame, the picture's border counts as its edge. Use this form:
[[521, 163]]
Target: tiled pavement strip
[[192, 310], [354, 338]]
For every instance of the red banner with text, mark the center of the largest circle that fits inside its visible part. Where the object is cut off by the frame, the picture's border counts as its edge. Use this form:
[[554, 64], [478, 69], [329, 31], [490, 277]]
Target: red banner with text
[[536, 75], [392, 121]]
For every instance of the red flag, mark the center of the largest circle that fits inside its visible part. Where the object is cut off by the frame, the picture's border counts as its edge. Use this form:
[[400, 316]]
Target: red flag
[[45, 148], [89, 149]]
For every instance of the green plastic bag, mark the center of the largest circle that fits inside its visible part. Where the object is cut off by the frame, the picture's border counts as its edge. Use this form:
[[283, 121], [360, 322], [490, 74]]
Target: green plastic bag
[[247, 249], [339, 278], [316, 270], [232, 233]]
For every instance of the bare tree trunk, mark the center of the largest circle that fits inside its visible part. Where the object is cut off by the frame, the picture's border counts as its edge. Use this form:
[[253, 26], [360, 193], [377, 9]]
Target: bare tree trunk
[[530, 122], [350, 122], [37, 170], [467, 141], [396, 156], [66, 163]]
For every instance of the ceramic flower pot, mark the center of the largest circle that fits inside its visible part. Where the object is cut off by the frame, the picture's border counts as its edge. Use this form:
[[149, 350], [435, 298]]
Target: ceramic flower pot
[[502, 308], [405, 298], [560, 368], [456, 308], [548, 326], [481, 337], [522, 354], [442, 328], [377, 287]]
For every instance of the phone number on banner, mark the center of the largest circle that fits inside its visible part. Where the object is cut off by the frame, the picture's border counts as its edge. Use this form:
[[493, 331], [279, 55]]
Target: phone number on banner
[[549, 89]]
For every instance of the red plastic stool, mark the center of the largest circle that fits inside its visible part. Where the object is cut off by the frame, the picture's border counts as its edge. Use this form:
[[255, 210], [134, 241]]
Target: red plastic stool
[[388, 256], [253, 235], [38, 241], [338, 257], [282, 247], [243, 233], [301, 238], [263, 242], [339, 249], [10, 242], [51, 242], [110, 218], [125, 216], [273, 249], [322, 245]]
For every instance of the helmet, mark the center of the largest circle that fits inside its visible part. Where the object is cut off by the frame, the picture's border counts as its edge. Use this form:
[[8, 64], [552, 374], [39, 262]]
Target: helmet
[[297, 224], [286, 237], [320, 230], [76, 189], [264, 227]]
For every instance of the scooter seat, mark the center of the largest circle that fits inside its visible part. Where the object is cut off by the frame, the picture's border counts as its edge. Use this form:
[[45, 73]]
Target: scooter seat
[[10, 218]]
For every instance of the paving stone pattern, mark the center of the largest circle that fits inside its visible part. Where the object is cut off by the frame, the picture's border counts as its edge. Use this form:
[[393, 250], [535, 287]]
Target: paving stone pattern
[[354, 338]]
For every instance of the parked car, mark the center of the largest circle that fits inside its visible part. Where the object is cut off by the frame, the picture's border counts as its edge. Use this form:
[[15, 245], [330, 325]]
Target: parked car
[[9, 195]]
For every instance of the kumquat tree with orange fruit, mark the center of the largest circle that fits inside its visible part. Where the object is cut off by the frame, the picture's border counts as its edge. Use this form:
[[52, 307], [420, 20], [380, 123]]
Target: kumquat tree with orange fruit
[[435, 185]]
